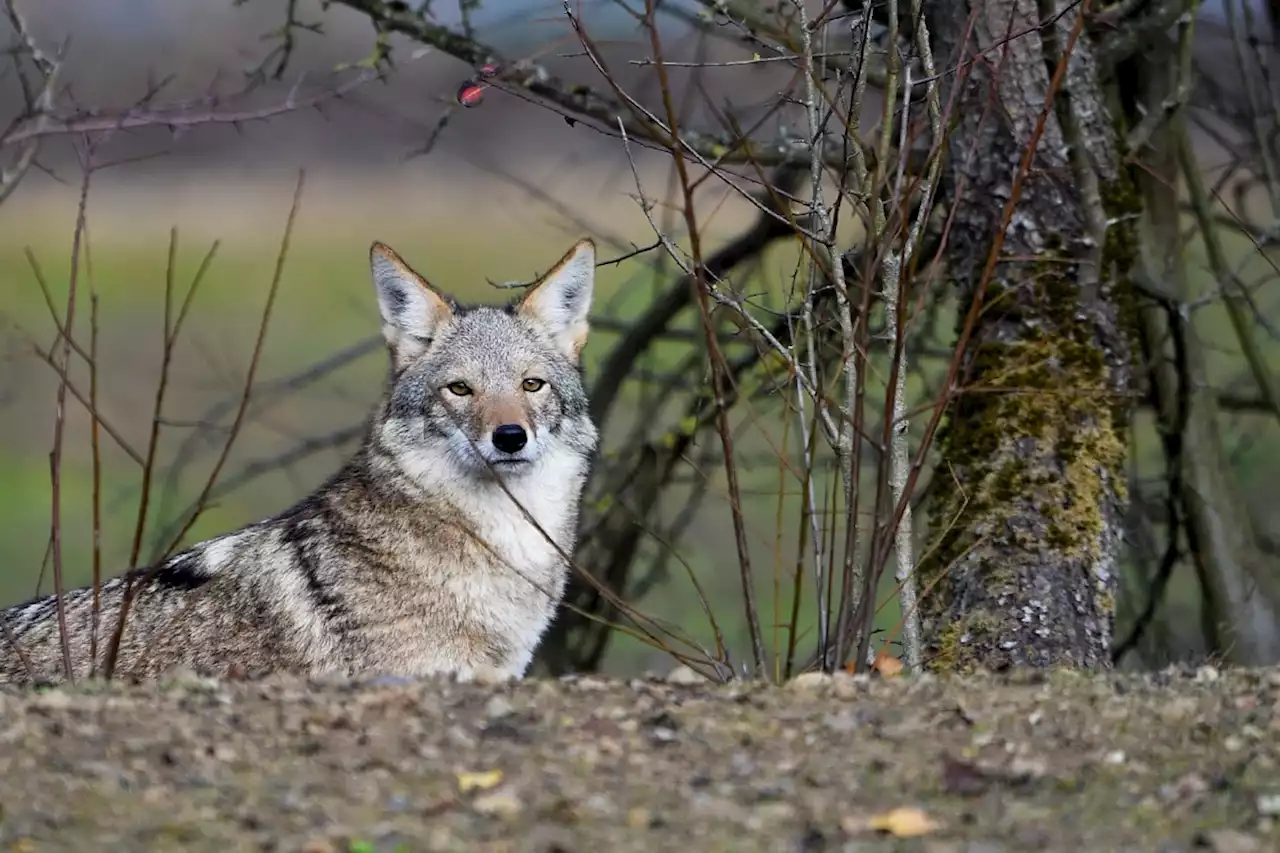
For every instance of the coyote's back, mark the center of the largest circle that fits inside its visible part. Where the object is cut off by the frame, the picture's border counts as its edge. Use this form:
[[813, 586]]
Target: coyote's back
[[440, 547]]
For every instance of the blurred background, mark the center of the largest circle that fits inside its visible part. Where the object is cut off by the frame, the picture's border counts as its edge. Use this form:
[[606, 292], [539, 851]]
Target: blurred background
[[504, 189]]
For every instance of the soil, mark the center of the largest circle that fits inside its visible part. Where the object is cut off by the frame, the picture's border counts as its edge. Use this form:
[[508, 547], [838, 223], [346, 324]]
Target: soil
[[1174, 761]]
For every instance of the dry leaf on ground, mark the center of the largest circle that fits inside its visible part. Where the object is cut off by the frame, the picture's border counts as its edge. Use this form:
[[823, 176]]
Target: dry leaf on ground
[[902, 822], [480, 781], [886, 664]]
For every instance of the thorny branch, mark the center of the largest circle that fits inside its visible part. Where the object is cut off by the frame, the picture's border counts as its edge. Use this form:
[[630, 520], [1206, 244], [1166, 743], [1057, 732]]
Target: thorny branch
[[178, 116], [527, 78], [44, 118], [40, 104]]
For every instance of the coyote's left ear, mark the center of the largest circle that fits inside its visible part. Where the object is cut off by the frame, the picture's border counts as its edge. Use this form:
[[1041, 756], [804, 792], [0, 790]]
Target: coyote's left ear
[[561, 300]]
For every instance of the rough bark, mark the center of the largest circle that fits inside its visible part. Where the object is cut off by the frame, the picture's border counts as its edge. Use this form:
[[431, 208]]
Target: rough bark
[[1030, 517]]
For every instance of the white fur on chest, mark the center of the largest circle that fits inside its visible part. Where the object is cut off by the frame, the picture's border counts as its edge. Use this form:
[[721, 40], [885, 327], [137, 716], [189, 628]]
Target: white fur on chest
[[513, 590], [524, 570]]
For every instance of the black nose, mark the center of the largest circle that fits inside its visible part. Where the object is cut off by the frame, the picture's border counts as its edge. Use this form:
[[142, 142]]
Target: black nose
[[510, 438]]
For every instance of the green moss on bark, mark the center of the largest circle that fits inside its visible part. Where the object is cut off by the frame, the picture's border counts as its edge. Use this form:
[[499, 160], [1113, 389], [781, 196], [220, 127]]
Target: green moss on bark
[[1041, 438], [960, 642]]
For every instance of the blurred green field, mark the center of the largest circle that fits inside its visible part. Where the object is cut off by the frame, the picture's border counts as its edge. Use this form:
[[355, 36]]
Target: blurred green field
[[326, 304]]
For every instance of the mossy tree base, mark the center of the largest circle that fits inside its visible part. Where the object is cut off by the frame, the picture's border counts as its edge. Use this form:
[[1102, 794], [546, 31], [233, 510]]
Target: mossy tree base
[[1032, 483]]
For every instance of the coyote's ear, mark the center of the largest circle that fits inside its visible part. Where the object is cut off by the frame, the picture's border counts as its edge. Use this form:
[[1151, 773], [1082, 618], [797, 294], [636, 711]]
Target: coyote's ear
[[412, 312], [561, 299]]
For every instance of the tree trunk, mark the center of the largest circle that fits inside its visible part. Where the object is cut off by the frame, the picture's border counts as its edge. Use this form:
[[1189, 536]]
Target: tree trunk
[[1029, 522]]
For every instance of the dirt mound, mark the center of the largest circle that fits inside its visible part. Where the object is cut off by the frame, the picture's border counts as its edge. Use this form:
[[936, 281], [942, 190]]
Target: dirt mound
[[1061, 762]]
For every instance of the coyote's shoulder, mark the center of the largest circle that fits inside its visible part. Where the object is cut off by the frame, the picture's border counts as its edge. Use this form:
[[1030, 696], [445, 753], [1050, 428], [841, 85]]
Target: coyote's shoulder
[[441, 545]]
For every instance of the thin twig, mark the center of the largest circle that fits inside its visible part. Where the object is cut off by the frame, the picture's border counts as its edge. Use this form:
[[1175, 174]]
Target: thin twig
[[130, 588], [59, 423]]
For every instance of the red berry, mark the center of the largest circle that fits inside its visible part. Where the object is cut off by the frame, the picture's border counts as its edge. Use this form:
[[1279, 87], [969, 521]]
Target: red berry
[[471, 94]]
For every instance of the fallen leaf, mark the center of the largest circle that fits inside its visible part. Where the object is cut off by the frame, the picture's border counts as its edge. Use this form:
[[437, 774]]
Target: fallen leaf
[[886, 664], [481, 781], [904, 822]]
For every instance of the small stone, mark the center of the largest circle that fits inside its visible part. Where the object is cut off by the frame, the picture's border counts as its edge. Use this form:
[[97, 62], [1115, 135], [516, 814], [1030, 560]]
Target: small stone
[[52, 700], [846, 686], [460, 737], [1269, 805], [318, 845], [1187, 787], [1029, 767], [154, 795], [591, 684], [810, 682], [185, 678], [742, 765], [600, 804], [1207, 674], [484, 677], [662, 734], [442, 838], [845, 721], [1115, 756], [1179, 708], [685, 676], [770, 813], [1231, 841], [498, 707], [639, 818], [501, 803]]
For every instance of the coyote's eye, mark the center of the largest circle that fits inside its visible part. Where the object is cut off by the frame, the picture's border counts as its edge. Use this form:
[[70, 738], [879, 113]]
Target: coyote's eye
[[532, 384], [459, 389]]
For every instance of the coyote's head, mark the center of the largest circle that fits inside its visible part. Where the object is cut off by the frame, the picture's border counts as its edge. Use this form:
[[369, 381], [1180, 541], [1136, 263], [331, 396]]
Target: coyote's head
[[487, 389]]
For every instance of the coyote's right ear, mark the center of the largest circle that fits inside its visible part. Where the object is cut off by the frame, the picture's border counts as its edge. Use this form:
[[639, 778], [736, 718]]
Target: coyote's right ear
[[412, 312]]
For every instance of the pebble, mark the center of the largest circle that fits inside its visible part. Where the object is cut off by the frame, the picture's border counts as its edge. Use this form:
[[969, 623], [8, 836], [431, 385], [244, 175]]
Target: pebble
[[807, 682], [52, 700], [318, 845], [500, 803], [498, 707], [1207, 674], [1269, 805], [845, 721], [685, 676], [1232, 841]]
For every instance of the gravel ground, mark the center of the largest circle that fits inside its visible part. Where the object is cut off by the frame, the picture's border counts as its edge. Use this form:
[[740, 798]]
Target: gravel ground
[[1175, 761]]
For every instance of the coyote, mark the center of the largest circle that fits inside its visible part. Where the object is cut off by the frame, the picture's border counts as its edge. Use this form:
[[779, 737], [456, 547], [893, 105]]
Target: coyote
[[439, 548]]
